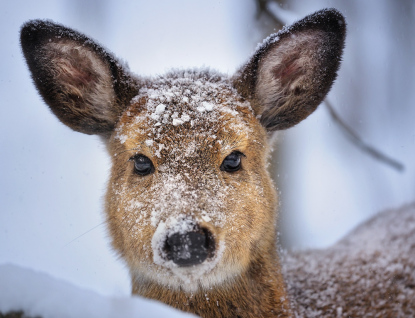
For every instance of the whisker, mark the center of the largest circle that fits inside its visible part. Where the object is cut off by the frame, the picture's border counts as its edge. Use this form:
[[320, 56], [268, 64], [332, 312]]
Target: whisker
[[84, 233]]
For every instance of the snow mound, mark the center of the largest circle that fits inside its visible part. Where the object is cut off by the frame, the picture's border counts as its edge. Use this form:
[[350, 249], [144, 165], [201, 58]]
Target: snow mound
[[370, 273], [38, 294]]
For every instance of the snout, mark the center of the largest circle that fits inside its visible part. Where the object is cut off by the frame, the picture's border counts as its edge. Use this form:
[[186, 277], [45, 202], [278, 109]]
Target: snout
[[189, 248]]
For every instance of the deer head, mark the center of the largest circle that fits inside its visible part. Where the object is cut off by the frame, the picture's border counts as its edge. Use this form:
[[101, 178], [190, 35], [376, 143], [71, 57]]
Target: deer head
[[190, 204]]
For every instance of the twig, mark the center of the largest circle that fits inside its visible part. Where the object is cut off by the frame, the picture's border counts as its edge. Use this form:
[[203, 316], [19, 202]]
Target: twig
[[358, 141]]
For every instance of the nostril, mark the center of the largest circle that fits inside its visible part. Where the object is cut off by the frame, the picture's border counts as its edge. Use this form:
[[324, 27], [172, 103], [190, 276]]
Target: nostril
[[190, 248], [210, 242]]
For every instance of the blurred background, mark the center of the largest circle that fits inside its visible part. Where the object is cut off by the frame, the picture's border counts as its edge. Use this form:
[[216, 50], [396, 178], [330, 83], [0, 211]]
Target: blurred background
[[52, 180]]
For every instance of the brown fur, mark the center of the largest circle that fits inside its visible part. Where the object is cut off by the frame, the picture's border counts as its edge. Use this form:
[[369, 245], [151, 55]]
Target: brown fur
[[186, 124]]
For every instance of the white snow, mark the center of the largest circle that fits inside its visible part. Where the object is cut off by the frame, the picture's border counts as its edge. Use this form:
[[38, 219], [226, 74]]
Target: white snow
[[39, 294], [160, 108], [205, 106]]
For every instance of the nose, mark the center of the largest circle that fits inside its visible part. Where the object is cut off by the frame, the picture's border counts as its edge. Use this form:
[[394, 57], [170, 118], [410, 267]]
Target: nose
[[190, 248]]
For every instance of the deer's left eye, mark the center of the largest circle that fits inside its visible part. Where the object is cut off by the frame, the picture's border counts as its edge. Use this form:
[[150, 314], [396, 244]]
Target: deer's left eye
[[142, 165], [232, 162]]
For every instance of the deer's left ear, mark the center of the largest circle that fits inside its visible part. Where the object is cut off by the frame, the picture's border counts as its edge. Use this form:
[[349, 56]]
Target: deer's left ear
[[293, 70], [84, 85]]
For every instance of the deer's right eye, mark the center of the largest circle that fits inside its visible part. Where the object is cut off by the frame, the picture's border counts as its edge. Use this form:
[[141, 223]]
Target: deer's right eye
[[142, 165], [232, 163]]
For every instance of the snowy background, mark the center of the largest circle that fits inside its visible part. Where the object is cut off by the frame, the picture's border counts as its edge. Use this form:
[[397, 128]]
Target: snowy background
[[52, 180]]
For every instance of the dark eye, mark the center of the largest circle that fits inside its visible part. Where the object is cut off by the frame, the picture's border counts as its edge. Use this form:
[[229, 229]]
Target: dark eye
[[232, 163], [142, 165]]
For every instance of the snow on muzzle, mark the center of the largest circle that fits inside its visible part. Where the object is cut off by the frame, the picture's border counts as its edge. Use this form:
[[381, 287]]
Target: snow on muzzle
[[183, 242]]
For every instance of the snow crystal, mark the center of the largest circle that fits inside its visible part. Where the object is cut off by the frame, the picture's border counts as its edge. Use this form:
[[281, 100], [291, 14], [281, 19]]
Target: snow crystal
[[122, 138], [205, 106], [177, 121], [160, 108], [206, 218], [185, 117]]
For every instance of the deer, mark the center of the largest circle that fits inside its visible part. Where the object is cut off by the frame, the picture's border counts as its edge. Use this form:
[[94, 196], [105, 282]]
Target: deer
[[190, 204]]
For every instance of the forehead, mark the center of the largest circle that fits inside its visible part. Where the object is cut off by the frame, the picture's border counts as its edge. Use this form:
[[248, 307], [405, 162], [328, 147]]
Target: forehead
[[187, 112]]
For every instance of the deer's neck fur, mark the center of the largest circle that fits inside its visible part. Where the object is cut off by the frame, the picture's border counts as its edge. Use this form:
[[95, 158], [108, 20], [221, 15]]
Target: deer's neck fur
[[258, 292]]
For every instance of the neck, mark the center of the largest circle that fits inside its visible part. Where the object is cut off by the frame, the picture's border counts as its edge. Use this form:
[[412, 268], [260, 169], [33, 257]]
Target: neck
[[259, 292]]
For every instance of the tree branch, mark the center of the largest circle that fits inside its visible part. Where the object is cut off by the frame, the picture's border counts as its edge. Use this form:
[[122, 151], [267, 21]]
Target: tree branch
[[358, 141]]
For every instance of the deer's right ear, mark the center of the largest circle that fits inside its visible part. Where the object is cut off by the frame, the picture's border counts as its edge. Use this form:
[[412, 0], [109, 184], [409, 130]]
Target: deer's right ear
[[292, 71], [84, 86]]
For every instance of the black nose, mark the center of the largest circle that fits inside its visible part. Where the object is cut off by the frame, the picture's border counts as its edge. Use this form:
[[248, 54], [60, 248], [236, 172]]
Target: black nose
[[189, 248]]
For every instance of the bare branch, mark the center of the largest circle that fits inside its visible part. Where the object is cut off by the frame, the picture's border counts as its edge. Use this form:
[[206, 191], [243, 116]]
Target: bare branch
[[358, 141], [272, 9], [262, 8]]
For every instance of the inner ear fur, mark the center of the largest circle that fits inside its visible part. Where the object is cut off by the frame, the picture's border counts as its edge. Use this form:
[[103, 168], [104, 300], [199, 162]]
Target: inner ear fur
[[293, 70], [83, 84]]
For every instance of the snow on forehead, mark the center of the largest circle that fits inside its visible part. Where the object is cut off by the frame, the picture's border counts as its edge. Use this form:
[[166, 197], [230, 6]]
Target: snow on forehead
[[197, 98]]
